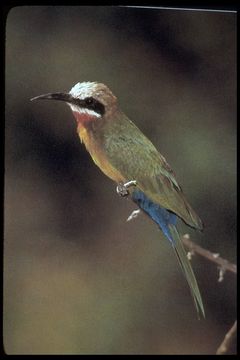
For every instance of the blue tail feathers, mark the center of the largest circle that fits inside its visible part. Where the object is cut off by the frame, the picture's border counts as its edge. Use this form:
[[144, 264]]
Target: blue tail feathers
[[158, 214]]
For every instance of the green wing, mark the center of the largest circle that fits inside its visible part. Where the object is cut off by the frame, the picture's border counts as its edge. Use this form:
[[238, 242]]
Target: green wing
[[131, 153]]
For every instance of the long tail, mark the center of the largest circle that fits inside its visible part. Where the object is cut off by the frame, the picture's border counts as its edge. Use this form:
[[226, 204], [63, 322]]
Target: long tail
[[166, 220], [187, 270]]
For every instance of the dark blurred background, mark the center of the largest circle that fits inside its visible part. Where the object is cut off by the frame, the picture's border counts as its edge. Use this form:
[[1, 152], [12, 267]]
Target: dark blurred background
[[77, 277]]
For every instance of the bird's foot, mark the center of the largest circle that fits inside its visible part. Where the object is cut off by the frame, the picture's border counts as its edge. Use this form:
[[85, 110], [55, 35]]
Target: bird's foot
[[134, 214], [122, 189]]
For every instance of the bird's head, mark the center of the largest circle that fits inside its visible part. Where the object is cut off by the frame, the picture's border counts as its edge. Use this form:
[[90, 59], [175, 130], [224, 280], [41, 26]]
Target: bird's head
[[89, 101]]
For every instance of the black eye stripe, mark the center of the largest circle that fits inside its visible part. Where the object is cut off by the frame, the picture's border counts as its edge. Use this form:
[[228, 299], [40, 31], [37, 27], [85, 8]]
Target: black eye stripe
[[95, 105], [91, 104], [89, 101]]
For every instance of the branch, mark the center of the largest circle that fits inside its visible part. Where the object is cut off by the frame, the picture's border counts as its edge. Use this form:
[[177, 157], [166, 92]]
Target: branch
[[228, 340], [224, 264]]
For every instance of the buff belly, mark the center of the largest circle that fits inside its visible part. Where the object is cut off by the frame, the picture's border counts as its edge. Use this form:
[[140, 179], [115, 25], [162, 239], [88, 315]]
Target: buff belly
[[98, 155]]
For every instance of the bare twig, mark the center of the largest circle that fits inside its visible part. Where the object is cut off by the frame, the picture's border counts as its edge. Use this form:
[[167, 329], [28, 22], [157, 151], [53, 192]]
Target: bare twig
[[228, 340], [134, 214], [224, 264]]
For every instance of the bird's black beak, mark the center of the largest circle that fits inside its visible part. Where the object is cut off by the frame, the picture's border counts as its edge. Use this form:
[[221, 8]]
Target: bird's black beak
[[55, 96]]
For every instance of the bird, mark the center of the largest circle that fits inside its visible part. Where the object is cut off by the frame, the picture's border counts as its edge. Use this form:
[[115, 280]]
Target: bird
[[124, 154]]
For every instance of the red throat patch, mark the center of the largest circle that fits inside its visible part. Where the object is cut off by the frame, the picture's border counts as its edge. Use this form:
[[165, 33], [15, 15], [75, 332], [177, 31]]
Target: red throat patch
[[83, 118]]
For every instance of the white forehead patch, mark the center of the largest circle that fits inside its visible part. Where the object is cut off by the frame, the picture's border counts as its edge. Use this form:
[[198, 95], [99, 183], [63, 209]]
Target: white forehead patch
[[83, 90], [84, 111]]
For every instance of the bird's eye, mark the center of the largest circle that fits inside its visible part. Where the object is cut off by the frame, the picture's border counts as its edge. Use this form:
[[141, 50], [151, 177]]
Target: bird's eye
[[89, 101], [93, 104]]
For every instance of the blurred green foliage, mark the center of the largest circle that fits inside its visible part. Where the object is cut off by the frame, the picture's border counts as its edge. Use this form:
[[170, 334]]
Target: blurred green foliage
[[77, 277]]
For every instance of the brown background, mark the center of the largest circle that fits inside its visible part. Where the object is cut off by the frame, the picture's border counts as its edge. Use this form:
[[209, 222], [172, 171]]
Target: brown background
[[77, 277]]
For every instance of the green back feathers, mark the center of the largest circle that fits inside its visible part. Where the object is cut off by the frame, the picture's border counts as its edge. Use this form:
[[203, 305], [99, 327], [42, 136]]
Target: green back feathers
[[135, 157]]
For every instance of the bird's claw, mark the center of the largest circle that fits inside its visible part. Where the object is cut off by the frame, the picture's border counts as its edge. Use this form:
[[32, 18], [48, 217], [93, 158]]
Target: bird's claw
[[122, 189], [133, 215]]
